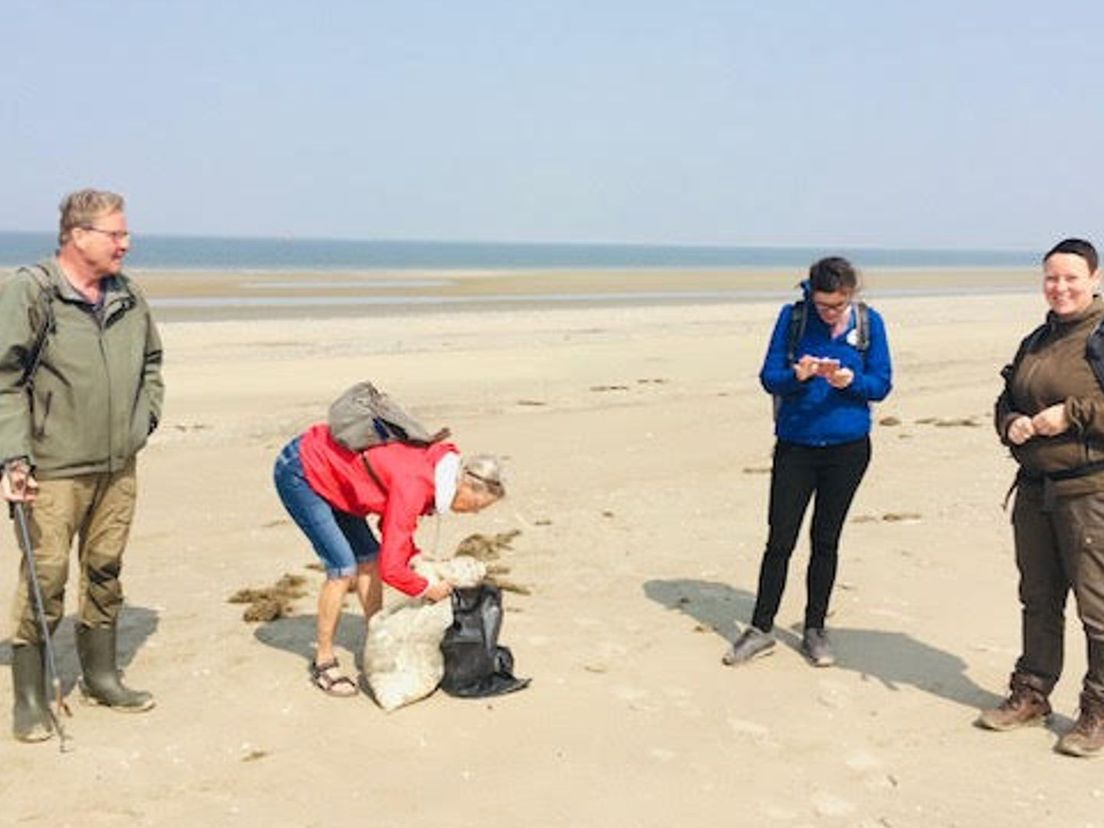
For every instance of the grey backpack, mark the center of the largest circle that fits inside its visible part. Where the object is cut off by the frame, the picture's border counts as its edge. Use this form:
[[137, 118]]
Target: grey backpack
[[364, 416]]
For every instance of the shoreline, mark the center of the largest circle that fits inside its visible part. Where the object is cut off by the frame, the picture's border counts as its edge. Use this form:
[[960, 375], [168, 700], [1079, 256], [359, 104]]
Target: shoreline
[[199, 294]]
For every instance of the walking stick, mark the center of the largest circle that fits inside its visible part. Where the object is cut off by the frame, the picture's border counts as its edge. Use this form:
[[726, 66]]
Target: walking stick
[[19, 513]]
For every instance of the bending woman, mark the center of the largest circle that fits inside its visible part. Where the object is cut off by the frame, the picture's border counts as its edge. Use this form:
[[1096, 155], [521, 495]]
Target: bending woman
[[822, 426], [329, 490]]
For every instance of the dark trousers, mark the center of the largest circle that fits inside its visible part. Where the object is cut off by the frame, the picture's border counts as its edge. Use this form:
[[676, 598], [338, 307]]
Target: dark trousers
[[833, 474], [1059, 549]]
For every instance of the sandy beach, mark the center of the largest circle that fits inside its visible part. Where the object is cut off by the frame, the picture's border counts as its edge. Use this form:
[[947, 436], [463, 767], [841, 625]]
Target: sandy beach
[[638, 444]]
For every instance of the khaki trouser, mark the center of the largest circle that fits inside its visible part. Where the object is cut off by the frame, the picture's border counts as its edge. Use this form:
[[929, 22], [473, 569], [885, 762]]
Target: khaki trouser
[[97, 509], [1060, 547]]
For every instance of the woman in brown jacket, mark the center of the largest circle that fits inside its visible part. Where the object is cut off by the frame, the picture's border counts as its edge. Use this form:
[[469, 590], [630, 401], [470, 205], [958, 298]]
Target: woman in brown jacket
[[1051, 415]]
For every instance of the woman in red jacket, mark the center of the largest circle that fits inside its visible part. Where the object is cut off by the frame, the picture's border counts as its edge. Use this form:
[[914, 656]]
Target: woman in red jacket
[[329, 490]]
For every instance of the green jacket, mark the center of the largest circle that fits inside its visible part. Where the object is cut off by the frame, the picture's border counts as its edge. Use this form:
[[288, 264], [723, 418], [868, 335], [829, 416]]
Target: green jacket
[[96, 394], [1054, 370]]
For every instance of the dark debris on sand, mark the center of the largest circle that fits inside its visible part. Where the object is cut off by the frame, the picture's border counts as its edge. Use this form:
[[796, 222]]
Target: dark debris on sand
[[270, 603], [488, 549]]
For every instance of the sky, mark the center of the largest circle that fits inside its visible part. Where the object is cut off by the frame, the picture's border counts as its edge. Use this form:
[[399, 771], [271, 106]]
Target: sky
[[793, 122]]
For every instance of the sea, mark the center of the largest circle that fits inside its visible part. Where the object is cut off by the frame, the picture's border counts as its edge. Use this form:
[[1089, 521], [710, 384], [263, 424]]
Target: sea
[[428, 259], [219, 253]]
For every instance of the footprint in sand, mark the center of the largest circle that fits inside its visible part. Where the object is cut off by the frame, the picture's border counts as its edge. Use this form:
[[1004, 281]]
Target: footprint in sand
[[829, 805], [861, 760], [834, 695], [753, 731], [636, 698]]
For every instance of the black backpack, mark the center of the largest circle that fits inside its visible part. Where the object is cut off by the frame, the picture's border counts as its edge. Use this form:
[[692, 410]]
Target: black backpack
[[475, 664]]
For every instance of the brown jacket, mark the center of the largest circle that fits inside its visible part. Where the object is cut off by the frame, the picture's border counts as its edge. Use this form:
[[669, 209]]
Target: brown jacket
[[1054, 371]]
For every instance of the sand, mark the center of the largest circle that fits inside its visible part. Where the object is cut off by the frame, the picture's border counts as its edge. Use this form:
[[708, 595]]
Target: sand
[[637, 443]]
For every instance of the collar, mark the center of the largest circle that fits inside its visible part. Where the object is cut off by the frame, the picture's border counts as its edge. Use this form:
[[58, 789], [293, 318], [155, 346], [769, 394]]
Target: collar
[[446, 475], [1092, 312], [113, 288]]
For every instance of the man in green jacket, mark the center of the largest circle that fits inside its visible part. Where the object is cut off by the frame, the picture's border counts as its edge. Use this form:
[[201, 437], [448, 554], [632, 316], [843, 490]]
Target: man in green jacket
[[80, 393]]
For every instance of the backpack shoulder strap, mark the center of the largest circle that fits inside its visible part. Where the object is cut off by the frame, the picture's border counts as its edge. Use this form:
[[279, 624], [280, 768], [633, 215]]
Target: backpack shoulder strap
[[43, 321], [1027, 345], [796, 330], [862, 326], [1094, 353]]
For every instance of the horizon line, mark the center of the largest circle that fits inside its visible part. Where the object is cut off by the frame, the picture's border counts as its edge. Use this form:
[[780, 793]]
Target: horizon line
[[584, 244]]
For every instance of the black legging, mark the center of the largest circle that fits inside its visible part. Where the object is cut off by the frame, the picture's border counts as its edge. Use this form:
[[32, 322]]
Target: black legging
[[834, 473]]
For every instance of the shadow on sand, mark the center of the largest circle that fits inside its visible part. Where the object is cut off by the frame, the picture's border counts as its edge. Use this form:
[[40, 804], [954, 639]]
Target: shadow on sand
[[136, 625], [296, 634], [893, 658]]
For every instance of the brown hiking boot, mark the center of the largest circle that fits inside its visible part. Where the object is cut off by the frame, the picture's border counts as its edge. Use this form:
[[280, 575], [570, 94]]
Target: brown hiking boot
[[1087, 736], [1026, 705]]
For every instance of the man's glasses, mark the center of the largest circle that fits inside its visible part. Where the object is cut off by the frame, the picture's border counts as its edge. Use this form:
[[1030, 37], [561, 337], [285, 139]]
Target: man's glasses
[[116, 235]]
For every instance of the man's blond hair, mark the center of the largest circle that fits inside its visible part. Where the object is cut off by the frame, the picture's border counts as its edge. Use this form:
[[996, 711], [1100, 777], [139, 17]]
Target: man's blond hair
[[79, 209]]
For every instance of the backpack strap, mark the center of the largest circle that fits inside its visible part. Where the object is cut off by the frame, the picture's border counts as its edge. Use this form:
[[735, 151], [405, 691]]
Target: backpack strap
[[862, 326], [1094, 353], [862, 329], [1027, 345], [47, 324], [372, 472], [796, 330]]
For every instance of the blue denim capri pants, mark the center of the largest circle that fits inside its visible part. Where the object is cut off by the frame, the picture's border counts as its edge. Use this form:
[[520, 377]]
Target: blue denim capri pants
[[342, 541]]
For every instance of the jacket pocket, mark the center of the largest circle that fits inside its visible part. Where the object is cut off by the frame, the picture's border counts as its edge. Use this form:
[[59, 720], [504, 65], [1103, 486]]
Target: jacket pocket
[[141, 422]]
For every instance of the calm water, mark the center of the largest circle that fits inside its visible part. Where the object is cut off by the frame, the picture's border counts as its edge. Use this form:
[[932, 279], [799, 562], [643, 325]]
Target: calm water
[[206, 253]]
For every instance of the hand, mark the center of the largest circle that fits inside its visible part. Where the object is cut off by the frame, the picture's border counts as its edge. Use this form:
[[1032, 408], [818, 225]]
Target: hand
[[1020, 430], [805, 367], [17, 483], [841, 377], [1051, 421], [435, 592]]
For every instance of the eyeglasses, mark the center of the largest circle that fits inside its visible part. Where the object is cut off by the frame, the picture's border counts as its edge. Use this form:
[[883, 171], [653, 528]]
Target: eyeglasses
[[495, 487], [116, 235], [834, 307]]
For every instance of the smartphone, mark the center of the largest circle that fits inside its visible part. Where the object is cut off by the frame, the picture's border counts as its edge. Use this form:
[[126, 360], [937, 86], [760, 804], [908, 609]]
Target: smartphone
[[827, 367]]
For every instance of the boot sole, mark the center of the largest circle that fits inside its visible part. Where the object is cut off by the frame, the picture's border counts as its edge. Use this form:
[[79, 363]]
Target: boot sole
[[1082, 753], [92, 701], [753, 657], [1039, 721], [34, 736]]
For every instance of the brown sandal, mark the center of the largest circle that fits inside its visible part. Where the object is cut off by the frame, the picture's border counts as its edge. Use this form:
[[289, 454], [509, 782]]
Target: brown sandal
[[322, 677]]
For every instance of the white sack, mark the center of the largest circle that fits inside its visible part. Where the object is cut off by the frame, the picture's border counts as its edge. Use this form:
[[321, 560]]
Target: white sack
[[402, 653]]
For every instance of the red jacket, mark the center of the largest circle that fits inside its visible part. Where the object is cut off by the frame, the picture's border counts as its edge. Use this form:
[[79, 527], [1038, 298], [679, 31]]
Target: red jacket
[[406, 472]]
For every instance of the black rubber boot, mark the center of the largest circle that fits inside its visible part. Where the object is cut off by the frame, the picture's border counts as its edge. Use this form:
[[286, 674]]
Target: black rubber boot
[[31, 720], [100, 682]]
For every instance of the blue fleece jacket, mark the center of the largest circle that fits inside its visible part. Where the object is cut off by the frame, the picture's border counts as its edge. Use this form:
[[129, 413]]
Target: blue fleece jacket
[[813, 413]]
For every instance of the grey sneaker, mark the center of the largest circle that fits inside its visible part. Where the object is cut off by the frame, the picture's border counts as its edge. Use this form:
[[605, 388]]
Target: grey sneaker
[[815, 646], [752, 644]]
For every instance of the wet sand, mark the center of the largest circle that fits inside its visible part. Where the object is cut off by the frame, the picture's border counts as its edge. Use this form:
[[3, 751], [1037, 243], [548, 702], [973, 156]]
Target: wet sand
[[198, 295]]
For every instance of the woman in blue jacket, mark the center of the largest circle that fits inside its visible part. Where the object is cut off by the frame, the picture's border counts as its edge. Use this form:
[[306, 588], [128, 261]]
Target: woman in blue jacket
[[828, 359]]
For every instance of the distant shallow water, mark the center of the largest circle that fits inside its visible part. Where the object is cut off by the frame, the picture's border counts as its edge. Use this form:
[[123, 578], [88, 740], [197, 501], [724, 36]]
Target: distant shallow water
[[237, 254], [624, 297]]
